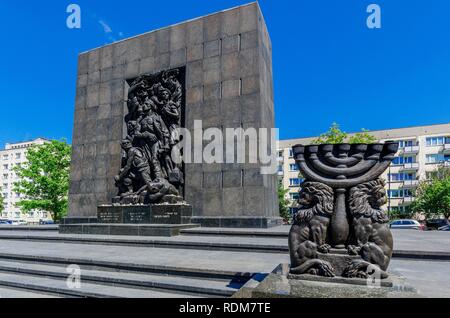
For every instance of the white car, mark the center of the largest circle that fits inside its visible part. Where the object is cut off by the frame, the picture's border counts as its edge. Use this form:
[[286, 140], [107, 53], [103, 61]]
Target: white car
[[406, 224]]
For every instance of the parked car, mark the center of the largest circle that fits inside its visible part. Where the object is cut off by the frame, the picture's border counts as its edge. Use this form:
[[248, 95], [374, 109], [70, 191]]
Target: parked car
[[45, 222], [406, 224], [22, 222], [444, 228], [434, 224], [4, 222]]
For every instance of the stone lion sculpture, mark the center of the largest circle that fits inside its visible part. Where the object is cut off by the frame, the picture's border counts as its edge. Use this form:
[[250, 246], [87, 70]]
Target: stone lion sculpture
[[371, 236], [309, 232]]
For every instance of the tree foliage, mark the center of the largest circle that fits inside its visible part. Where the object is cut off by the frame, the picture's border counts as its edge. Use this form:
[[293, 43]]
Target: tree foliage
[[336, 136], [2, 202], [44, 179], [433, 195], [283, 202]]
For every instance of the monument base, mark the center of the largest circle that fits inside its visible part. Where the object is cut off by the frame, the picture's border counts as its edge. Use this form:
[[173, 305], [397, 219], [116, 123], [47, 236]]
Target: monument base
[[281, 284], [125, 229], [139, 220], [237, 221]]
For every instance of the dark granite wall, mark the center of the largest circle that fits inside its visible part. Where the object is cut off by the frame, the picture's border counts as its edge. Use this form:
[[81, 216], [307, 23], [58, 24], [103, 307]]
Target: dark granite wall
[[228, 63]]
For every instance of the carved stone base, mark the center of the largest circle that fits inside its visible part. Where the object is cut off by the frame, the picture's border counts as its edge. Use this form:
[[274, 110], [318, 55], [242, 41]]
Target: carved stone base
[[145, 214]]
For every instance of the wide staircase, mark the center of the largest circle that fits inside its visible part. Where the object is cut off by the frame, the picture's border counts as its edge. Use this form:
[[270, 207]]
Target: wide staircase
[[46, 264]]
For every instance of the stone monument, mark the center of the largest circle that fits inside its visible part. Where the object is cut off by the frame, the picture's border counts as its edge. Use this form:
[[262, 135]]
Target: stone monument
[[133, 94]]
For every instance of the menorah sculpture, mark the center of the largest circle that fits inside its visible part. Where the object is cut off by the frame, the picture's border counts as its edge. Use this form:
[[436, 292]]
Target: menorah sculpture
[[340, 208]]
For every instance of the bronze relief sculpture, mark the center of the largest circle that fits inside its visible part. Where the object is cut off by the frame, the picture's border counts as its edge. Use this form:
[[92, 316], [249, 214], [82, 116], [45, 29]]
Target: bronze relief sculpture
[[340, 210], [148, 174]]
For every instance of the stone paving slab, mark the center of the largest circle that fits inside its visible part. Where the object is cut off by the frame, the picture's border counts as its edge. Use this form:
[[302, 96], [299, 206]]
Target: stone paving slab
[[207, 260], [430, 278], [407, 243]]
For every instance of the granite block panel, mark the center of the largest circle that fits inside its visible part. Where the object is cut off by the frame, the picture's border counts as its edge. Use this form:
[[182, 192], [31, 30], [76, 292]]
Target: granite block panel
[[194, 52], [177, 37], [194, 32], [230, 22], [212, 27], [232, 178]]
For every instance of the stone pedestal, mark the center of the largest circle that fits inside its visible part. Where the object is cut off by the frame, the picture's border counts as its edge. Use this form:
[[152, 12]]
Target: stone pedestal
[[281, 284], [139, 220]]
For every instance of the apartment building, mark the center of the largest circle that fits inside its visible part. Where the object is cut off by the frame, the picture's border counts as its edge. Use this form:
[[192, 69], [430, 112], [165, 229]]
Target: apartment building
[[14, 155], [422, 149]]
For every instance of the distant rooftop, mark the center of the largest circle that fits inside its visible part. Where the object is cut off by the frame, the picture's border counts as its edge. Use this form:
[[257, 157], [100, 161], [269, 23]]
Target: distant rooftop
[[394, 133], [22, 144]]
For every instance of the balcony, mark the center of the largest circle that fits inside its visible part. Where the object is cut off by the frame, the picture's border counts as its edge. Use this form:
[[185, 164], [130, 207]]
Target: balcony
[[406, 201], [280, 173], [446, 148], [410, 150], [410, 184], [410, 167]]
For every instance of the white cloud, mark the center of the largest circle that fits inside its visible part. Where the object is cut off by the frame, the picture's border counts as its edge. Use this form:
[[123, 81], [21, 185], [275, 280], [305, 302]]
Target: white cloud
[[106, 27]]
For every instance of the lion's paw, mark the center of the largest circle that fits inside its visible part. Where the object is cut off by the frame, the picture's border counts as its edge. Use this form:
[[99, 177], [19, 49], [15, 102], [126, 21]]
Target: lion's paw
[[325, 248]]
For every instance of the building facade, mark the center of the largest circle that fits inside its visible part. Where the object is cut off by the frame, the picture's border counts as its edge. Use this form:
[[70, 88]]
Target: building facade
[[422, 149], [12, 156]]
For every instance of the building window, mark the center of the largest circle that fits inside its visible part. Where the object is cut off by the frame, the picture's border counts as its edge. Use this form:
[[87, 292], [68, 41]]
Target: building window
[[5, 157], [437, 141], [403, 160], [437, 158], [5, 176], [405, 143], [291, 153], [280, 168], [18, 155], [280, 154], [5, 195], [394, 177], [294, 182], [294, 196], [399, 193], [293, 167], [5, 167]]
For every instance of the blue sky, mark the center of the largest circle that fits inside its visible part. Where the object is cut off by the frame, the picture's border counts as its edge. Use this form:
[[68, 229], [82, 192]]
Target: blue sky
[[328, 66]]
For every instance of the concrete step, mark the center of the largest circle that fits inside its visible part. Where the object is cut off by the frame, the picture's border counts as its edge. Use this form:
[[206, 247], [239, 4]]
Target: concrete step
[[10, 292], [95, 264], [87, 290], [259, 244], [196, 286], [51, 228], [280, 232]]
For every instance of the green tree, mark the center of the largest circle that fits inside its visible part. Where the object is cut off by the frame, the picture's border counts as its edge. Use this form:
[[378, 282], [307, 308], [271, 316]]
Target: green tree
[[333, 136], [44, 179], [2, 202], [363, 137], [283, 203], [336, 136], [433, 195]]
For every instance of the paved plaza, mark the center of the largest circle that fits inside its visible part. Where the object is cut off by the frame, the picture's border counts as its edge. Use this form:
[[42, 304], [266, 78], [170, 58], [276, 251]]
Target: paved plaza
[[201, 262]]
